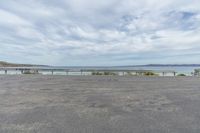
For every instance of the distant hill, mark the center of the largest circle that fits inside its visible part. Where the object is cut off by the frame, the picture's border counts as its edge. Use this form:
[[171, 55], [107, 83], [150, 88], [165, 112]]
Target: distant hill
[[7, 64], [173, 65], [164, 65]]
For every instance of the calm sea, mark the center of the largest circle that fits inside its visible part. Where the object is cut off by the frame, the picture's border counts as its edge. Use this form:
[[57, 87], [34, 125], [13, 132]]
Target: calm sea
[[180, 69]]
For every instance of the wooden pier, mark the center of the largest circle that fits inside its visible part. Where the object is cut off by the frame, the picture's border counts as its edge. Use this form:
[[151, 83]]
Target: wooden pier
[[38, 70]]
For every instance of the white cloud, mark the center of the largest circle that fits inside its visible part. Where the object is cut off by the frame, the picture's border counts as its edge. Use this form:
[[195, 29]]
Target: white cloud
[[12, 19], [72, 29]]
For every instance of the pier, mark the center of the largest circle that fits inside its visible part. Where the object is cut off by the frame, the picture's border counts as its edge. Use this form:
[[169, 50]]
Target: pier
[[53, 71]]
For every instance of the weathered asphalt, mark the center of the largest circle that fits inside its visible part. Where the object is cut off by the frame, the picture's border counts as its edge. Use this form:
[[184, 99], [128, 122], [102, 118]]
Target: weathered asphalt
[[99, 104]]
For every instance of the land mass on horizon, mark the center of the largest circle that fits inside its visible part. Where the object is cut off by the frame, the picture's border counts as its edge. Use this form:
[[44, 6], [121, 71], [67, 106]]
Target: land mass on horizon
[[8, 64]]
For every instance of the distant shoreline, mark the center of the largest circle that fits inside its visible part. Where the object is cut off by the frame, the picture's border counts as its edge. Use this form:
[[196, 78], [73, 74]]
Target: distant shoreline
[[7, 64], [165, 65]]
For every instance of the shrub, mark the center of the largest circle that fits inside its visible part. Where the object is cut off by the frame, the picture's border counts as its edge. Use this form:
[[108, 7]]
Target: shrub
[[97, 73], [30, 72], [181, 74], [130, 74], [109, 73], [27, 72], [150, 74], [103, 73]]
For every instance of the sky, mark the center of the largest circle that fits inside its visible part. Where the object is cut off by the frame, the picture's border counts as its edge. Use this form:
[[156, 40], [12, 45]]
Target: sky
[[100, 32]]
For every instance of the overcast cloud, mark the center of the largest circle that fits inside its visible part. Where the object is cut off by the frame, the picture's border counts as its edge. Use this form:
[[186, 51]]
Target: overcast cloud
[[100, 32]]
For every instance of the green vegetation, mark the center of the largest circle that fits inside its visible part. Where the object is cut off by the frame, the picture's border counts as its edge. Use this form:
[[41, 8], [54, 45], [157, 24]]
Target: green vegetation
[[103, 73], [27, 72], [7, 64], [96, 73], [130, 74], [181, 74], [150, 74], [196, 71], [30, 72]]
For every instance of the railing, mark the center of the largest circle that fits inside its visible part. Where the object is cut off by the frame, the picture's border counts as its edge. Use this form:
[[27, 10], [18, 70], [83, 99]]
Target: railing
[[36, 70]]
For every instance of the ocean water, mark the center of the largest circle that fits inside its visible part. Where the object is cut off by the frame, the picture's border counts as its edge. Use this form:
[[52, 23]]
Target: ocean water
[[179, 69], [188, 70]]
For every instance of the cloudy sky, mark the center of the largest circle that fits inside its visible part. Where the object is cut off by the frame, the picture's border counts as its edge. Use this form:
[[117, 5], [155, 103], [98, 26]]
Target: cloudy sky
[[100, 32]]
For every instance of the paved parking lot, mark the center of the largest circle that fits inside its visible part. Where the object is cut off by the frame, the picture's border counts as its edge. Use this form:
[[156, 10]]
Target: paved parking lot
[[99, 104]]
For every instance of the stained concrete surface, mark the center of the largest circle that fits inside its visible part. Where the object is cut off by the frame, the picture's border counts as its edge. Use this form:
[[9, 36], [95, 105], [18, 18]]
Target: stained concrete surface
[[99, 104]]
